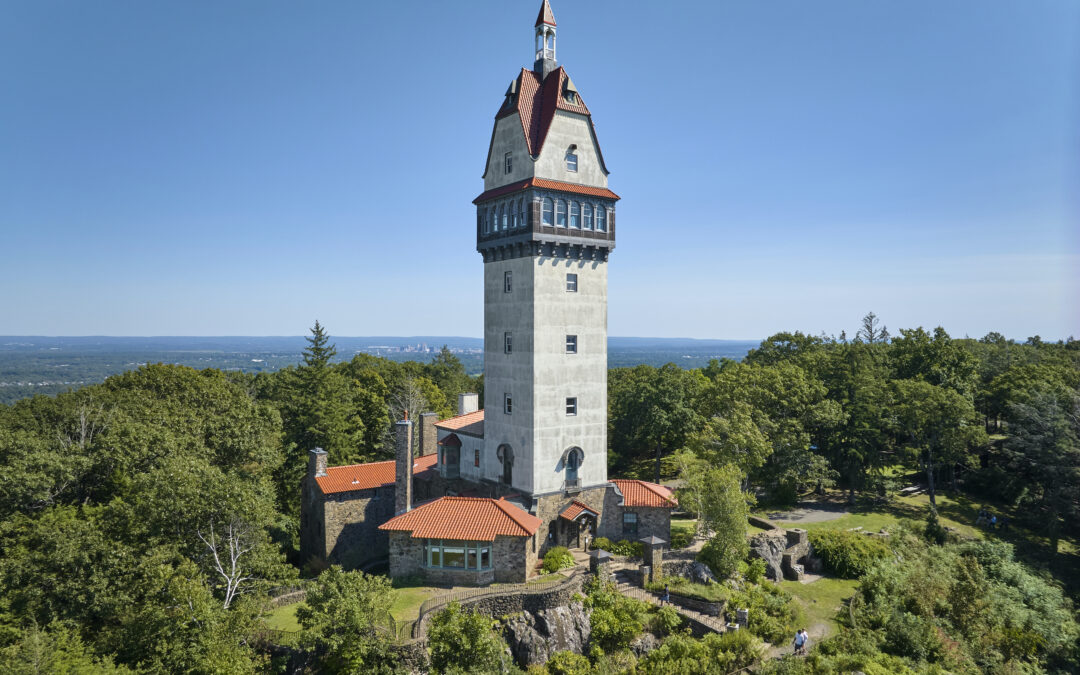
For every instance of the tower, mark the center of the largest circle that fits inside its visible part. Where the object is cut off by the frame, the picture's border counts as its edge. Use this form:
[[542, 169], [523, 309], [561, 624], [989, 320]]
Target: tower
[[545, 228]]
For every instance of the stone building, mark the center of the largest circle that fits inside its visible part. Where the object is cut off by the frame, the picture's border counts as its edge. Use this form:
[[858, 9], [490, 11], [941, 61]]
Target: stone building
[[530, 470]]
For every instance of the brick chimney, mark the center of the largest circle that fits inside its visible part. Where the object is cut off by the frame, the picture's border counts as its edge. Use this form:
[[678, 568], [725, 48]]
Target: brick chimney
[[467, 403], [317, 463], [429, 435], [403, 468]]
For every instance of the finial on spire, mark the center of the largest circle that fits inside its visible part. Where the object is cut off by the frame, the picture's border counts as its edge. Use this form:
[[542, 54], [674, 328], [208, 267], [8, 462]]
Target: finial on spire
[[545, 41]]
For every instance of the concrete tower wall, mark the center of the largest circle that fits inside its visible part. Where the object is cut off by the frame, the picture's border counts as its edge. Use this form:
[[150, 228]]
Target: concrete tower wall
[[540, 375], [508, 137], [570, 129]]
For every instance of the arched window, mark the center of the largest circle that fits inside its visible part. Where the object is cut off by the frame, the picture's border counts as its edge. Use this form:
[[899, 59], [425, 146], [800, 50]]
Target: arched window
[[513, 216], [484, 220], [505, 455], [575, 215], [560, 213], [522, 220], [601, 218], [549, 212], [571, 461], [586, 216], [504, 217], [571, 157]]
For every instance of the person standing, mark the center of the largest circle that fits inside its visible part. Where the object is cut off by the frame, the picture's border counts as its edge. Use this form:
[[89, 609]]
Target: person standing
[[667, 595], [800, 641]]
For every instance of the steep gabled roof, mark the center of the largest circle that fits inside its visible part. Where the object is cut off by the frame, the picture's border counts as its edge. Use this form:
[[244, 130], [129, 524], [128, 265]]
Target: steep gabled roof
[[470, 424], [575, 509], [367, 476], [644, 493], [468, 518], [536, 103]]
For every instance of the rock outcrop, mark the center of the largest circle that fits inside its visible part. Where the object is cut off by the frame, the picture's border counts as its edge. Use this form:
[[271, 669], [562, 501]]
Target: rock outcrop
[[643, 644], [534, 637], [697, 572]]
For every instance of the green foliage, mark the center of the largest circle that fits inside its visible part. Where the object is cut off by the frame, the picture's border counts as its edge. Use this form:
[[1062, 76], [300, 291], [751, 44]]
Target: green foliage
[[464, 642], [772, 612], [57, 651], [683, 586], [934, 531], [344, 620], [715, 653], [557, 558], [568, 663], [615, 618], [716, 495], [665, 621], [848, 554], [633, 549]]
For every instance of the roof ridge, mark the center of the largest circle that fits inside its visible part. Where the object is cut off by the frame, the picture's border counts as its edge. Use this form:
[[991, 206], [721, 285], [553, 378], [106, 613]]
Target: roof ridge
[[350, 466], [500, 502]]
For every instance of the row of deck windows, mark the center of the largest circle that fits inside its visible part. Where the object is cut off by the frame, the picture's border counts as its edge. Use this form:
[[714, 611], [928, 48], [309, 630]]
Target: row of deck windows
[[462, 555], [553, 213]]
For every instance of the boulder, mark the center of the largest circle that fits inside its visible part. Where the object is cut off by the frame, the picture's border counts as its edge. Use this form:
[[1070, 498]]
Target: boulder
[[534, 637], [770, 547], [643, 644]]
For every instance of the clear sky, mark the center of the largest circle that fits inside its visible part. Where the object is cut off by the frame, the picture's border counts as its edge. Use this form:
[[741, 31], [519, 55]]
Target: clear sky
[[245, 167]]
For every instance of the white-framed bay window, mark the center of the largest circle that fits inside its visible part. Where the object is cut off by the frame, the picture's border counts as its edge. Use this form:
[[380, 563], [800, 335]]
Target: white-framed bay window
[[455, 554]]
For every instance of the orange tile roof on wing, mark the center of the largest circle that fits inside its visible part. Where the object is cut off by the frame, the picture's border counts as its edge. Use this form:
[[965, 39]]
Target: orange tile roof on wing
[[575, 509], [644, 493], [367, 476], [469, 518], [471, 424]]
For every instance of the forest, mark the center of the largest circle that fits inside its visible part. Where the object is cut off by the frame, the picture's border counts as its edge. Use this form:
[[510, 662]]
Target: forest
[[144, 520]]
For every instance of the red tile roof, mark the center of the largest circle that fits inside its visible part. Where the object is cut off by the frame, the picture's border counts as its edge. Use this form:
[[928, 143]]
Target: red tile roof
[[575, 509], [470, 518], [470, 424], [545, 15], [546, 184], [536, 103], [367, 476], [644, 493]]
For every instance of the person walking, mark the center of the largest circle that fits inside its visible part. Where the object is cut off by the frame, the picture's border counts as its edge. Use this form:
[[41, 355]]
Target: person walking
[[667, 595], [805, 640], [800, 642]]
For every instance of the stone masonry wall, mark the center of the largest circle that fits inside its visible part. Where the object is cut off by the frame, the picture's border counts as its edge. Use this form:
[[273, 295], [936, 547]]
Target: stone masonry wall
[[512, 558], [350, 522]]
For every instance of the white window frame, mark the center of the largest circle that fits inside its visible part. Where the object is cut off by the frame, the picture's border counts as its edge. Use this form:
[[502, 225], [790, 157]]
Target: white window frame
[[571, 406], [508, 342], [571, 344], [575, 215], [571, 282], [547, 212], [508, 281], [508, 404], [571, 161], [560, 213], [601, 218], [586, 216], [508, 162]]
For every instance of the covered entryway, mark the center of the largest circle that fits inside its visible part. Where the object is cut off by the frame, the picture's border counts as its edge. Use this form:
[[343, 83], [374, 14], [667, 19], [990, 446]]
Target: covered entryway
[[577, 525]]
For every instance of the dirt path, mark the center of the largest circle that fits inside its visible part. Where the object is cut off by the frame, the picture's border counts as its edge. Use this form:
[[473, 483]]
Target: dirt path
[[816, 511], [817, 631]]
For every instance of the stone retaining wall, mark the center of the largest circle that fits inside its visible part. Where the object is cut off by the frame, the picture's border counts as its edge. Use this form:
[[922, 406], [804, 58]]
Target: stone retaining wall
[[761, 523]]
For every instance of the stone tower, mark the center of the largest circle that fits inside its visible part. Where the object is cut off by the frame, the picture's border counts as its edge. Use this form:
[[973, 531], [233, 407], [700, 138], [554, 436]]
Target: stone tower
[[545, 227]]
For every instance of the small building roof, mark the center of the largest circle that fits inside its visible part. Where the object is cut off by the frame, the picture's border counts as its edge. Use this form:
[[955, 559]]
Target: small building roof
[[468, 518], [367, 476], [652, 540], [576, 509], [470, 424], [643, 493], [452, 440], [600, 554]]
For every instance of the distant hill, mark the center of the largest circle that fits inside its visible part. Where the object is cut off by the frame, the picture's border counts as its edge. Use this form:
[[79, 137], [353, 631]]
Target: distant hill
[[32, 365]]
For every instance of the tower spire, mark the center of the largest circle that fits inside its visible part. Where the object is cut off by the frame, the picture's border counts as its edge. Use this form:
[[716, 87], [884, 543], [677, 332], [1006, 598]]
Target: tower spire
[[545, 41]]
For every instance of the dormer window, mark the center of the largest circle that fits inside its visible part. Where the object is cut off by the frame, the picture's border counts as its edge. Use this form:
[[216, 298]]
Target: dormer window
[[508, 162], [571, 158]]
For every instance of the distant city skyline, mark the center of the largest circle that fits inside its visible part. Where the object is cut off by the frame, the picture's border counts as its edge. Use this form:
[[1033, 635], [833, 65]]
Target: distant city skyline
[[246, 168]]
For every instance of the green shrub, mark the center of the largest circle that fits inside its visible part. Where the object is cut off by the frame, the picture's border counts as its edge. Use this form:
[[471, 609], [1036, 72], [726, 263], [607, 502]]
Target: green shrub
[[848, 554], [615, 618], [557, 558], [681, 538], [772, 612], [463, 641], [755, 571], [666, 621], [568, 663], [685, 587], [622, 547], [721, 557]]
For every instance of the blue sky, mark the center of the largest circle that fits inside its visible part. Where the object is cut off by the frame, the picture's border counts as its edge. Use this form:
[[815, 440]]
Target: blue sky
[[245, 167]]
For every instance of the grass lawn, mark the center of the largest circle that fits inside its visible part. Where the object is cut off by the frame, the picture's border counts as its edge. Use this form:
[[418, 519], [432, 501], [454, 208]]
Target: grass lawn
[[822, 599], [283, 618], [407, 601]]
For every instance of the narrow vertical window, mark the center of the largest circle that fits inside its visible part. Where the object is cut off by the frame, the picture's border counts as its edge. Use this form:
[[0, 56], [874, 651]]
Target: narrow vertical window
[[508, 342], [571, 344], [476, 457], [601, 218], [560, 213], [485, 219], [508, 281], [508, 404], [508, 162], [571, 161], [548, 212], [629, 523], [586, 215], [575, 215], [522, 220], [502, 216], [571, 405], [571, 283]]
